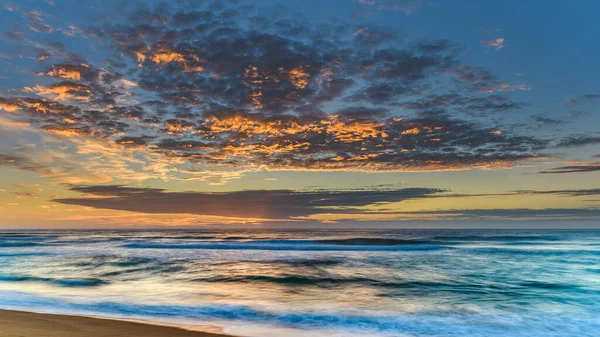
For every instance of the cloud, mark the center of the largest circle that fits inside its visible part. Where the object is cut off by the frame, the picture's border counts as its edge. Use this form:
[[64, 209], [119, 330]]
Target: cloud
[[521, 214], [406, 6], [565, 192], [62, 91], [496, 43], [36, 23], [580, 99], [68, 71], [219, 90], [133, 141], [67, 131], [307, 205], [579, 140], [52, 167], [546, 121], [258, 204], [472, 106], [583, 168]]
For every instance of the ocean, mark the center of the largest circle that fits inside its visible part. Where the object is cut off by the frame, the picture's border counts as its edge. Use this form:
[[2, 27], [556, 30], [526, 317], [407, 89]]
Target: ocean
[[268, 283]]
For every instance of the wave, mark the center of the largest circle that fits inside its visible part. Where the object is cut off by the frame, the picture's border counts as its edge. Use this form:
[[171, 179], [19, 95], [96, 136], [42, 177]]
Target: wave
[[282, 245], [309, 263], [423, 323], [24, 238], [484, 237], [373, 242], [547, 285], [23, 254], [326, 281], [533, 251], [16, 244], [85, 282], [112, 260]]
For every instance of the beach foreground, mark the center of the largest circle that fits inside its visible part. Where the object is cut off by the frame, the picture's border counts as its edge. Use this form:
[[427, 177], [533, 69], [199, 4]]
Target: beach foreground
[[26, 324]]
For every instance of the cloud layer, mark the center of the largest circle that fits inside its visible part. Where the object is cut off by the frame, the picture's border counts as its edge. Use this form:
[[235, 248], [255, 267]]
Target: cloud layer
[[255, 204], [229, 86], [293, 204]]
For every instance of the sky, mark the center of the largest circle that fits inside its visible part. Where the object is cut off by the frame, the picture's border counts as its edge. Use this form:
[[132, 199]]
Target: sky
[[303, 114]]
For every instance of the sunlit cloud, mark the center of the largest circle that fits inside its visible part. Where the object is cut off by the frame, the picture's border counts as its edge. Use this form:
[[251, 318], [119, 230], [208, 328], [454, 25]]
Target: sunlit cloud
[[62, 91]]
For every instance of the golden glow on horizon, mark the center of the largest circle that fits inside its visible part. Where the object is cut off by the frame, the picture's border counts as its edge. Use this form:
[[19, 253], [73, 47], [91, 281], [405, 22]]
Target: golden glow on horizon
[[30, 205]]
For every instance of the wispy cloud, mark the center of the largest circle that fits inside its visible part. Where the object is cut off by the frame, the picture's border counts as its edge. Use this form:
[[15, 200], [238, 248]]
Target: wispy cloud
[[406, 6], [496, 43], [582, 168]]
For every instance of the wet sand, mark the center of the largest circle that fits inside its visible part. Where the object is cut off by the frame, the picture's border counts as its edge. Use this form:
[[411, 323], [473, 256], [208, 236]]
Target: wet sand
[[26, 324]]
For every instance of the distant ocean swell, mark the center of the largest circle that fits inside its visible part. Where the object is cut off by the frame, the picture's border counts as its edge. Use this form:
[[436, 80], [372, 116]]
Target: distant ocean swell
[[286, 245]]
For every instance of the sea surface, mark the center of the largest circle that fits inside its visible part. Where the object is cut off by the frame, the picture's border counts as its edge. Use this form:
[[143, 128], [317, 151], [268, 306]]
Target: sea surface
[[268, 283]]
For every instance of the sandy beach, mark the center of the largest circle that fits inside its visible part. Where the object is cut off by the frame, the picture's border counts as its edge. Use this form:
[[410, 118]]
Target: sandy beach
[[26, 324]]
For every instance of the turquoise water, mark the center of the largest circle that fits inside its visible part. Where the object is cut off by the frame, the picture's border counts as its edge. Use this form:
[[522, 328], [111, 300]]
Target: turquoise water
[[314, 283]]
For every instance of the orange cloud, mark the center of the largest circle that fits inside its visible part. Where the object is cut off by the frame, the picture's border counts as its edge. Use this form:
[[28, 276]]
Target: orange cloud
[[167, 57], [66, 131], [140, 57], [299, 78], [176, 127], [413, 131], [10, 107], [69, 72], [10, 124], [256, 98], [349, 132], [63, 91]]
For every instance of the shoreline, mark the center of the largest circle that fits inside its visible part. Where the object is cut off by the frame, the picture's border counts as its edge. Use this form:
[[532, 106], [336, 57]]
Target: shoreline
[[15, 323]]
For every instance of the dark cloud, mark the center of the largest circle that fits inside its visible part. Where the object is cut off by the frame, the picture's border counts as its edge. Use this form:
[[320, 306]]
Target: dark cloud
[[546, 121], [563, 193], [566, 192], [579, 140], [472, 106], [286, 204], [261, 204], [590, 167], [515, 213], [585, 98]]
